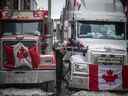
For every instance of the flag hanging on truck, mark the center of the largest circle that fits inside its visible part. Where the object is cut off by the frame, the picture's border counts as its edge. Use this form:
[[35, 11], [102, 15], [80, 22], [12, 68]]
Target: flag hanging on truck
[[108, 77], [20, 55]]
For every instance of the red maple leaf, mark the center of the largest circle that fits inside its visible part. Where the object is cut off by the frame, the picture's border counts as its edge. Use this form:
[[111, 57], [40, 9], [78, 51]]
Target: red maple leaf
[[22, 53], [110, 77]]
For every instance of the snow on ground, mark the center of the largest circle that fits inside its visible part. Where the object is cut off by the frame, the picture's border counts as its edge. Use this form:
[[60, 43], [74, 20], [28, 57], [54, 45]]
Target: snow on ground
[[23, 92], [99, 93]]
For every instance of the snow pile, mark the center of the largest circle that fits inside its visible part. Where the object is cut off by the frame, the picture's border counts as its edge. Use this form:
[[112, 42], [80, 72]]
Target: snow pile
[[99, 93], [23, 92]]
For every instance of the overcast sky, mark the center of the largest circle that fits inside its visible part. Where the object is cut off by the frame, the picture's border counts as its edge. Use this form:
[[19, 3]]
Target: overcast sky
[[57, 6]]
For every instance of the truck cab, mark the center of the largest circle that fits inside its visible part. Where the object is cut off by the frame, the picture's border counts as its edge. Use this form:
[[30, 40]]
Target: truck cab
[[100, 27], [23, 54]]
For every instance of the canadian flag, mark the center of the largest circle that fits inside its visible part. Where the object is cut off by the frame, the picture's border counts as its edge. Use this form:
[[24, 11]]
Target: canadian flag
[[21, 55], [126, 7], [75, 4], [107, 77]]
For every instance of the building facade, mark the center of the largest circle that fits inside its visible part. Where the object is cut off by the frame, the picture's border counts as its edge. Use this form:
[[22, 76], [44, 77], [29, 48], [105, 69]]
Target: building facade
[[19, 4]]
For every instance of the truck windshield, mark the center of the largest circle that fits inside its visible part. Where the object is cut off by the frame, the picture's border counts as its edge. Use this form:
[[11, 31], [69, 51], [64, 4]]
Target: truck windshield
[[101, 30], [20, 28]]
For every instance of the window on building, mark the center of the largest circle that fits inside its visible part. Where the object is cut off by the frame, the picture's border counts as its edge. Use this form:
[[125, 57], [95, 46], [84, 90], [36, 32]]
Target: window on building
[[25, 4], [15, 4], [22, 4]]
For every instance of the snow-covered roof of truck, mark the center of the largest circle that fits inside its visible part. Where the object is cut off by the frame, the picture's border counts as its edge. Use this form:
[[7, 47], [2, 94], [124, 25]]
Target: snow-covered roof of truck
[[100, 16], [102, 10]]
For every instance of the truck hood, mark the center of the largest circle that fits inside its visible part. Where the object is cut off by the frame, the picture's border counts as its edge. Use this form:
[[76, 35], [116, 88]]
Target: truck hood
[[103, 44]]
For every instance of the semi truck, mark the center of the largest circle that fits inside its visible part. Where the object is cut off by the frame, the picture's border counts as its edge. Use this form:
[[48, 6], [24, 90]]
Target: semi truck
[[24, 57], [98, 55]]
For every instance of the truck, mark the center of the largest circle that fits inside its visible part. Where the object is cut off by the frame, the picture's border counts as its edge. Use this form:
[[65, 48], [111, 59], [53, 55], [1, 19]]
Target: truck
[[24, 57], [97, 36]]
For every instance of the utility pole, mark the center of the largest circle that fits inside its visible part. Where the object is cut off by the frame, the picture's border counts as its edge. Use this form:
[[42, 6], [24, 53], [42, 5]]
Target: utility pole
[[49, 9], [49, 25]]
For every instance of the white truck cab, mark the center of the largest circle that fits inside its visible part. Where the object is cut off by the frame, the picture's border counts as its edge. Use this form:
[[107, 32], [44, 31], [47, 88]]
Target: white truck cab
[[100, 26]]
